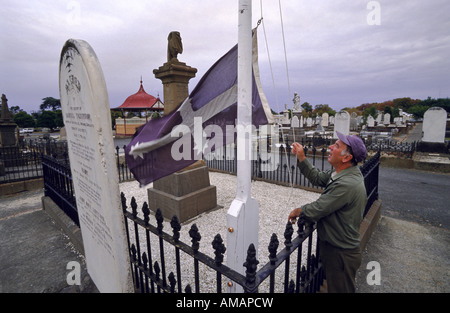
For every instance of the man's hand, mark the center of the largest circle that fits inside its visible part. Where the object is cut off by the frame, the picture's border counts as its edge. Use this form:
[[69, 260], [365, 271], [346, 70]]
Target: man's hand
[[294, 214], [297, 149]]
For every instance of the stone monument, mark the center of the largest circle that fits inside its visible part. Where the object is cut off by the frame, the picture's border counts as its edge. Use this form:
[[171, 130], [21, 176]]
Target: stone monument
[[7, 126], [296, 100], [370, 121], [10, 154], [86, 113], [297, 109], [433, 130], [319, 128], [342, 123], [186, 193], [434, 124], [325, 119]]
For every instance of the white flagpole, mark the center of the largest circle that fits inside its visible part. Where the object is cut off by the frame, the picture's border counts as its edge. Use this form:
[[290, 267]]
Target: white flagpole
[[243, 214]]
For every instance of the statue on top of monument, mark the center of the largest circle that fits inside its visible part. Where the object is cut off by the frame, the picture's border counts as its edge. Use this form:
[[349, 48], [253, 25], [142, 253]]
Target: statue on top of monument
[[296, 100], [175, 46], [5, 111]]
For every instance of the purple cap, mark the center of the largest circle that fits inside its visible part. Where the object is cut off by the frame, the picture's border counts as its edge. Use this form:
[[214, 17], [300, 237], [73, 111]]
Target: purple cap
[[356, 143]]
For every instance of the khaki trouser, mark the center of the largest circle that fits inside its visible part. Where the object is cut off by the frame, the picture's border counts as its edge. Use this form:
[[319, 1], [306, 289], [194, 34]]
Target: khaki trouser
[[340, 267]]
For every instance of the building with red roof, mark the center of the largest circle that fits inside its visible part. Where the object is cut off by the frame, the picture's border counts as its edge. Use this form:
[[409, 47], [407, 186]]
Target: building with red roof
[[141, 102]]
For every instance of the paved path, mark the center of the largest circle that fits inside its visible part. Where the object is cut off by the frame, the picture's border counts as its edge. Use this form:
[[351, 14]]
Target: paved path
[[415, 134], [34, 252], [411, 242]]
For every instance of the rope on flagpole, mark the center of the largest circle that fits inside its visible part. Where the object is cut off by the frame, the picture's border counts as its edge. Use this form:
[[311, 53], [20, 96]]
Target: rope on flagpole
[[283, 137], [284, 45]]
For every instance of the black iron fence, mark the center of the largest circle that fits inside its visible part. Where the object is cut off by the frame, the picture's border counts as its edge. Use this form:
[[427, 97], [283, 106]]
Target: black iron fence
[[300, 256], [58, 185], [152, 250], [24, 162]]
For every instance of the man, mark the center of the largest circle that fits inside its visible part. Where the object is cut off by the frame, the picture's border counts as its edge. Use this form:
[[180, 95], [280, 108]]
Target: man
[[338, 211]]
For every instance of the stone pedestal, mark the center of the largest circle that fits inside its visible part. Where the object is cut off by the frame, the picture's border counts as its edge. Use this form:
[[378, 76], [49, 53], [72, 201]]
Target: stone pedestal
[[8, 134], [186, 193], [175, 77]]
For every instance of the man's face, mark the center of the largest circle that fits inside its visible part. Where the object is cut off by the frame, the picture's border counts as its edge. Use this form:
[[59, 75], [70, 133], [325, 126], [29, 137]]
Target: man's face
[[336, 155]]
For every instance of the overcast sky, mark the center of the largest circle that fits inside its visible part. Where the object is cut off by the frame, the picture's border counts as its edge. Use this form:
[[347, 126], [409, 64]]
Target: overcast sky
[[335, 55]]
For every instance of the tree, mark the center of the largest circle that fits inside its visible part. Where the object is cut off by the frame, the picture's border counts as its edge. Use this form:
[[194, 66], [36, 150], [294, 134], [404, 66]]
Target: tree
[[24, 120], [47, 119], [319, 109], [51, 104], [369, 111], [14, 110], [307, 107], [59, 118], [418, 110]]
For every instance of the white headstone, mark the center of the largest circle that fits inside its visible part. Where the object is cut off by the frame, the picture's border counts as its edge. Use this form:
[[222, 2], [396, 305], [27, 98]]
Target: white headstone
[[342, 123], [379, 118], [387, 119], [434, 124], [359, 120], [309, 122], [295, 122], [325, 117], [370, 121], [86, 113]]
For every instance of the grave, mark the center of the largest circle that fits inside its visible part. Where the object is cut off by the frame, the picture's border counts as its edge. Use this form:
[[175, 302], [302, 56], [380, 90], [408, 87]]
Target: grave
[[10, 154], [434, 124], [342, 123], [186, 193], [295, 122], [433, 129], [7, 126], [325, 119], [370, 121], [86, 114]]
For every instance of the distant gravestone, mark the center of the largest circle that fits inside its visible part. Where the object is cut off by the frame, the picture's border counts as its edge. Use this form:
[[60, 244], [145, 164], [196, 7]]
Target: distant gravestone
[[325, 118], [379, 118], [309, 122], [295, 122], [434, 124], [342, 123], [387, 119], [370, 121], [86, 113]]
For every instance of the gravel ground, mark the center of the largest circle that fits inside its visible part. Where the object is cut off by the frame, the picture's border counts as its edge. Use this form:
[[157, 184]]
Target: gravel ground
[[276, 202]]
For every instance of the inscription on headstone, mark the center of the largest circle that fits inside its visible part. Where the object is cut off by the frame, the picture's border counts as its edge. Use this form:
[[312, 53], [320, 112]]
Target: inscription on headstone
[[86, 113]]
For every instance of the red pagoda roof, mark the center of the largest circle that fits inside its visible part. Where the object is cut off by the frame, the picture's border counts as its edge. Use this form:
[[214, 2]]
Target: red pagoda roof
[[141, 101]]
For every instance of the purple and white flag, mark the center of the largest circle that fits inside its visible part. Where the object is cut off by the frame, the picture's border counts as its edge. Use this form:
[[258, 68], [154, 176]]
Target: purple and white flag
[[168, 144]]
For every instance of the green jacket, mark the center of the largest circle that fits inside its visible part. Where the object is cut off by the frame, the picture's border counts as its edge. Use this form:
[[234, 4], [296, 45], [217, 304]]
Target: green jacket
[[340, 208]]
